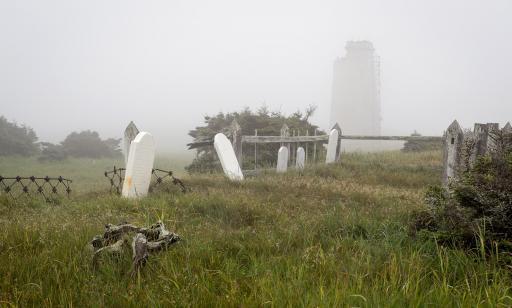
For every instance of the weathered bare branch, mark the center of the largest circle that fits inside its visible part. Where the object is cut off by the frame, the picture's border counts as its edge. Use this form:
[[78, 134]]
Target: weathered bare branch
[[145, 240], [139, 252]]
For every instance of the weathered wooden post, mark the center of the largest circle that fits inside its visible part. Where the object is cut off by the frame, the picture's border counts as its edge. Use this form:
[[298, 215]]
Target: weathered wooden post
[[483, 140], [492, 129], [255, 150], [236, 134], [306, 158], [314, 149], [453, 141], [507, 128], [296, 134], [285, 132], [338, 148]]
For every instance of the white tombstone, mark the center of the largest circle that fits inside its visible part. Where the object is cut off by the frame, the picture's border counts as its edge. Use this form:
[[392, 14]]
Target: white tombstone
[[300, 159], [332, 145], [130, 133], [227, 157], [282, 159], [139, 166]]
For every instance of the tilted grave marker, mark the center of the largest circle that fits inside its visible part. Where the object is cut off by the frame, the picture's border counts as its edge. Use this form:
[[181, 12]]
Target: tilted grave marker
[[332, 146], [282, 159], [301, 157], [227, 157], [139, 166], [130, 133]]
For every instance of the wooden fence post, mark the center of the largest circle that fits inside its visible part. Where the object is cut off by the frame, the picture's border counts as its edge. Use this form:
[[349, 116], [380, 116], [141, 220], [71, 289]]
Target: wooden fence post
[[236, 134], [314, 149], [507, 128], [285, 132], [338, 148], [255, 151], [483, 140], [453, 141], [306, 158]]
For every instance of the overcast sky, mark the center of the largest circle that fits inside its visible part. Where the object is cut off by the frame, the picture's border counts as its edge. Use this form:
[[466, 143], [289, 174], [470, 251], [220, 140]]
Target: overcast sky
[[73, 65]]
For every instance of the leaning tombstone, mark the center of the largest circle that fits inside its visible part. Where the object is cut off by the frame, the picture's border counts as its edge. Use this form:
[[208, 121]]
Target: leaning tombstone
[[282, 159], [227, 157], [453, 141], [139, 166], [332, 145], [301, 157], [130, 133]]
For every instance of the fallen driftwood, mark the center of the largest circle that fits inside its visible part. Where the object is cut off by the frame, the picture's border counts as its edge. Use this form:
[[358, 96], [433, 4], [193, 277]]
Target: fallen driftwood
[[144, 241]]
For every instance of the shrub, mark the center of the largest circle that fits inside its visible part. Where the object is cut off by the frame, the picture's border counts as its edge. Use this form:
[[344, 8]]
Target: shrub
[[88, 144], [52, 152], [480, 200]]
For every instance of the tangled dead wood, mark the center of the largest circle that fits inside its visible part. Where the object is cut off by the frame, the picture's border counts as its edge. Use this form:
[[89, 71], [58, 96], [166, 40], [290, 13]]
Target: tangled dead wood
[[143, 241]]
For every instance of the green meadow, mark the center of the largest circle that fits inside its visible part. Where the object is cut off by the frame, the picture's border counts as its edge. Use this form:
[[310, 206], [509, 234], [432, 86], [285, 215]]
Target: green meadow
[[331, 236]]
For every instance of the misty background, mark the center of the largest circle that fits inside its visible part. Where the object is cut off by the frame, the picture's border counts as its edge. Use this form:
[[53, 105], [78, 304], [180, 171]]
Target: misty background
[[76, 65]]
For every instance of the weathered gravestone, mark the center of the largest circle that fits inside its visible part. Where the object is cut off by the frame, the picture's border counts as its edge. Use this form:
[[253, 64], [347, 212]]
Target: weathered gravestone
[[282, 159], [139, 166], [300, 159], [227, 157], [332, 146], [130, 133]]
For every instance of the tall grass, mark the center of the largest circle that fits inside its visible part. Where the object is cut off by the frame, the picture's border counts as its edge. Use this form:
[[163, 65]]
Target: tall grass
[[329, 236]]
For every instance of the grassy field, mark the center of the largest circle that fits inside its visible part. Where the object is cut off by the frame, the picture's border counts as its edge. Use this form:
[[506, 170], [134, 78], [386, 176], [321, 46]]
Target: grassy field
[[332, 236]]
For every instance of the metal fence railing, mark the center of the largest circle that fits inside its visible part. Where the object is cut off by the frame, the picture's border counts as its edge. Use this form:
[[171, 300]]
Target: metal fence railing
[[50, 188], [159, 179]]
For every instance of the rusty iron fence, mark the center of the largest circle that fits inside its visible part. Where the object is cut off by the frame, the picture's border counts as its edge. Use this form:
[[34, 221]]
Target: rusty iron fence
[[159, 179], [49, 188]]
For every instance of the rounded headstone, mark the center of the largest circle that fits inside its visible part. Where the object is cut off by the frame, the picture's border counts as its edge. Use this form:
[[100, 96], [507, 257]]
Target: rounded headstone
[[141, 157], [332, 146], [227, 157], [282, 159]]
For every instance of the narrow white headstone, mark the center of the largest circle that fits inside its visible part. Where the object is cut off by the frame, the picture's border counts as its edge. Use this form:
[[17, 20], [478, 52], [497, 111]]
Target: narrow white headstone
[[300, 159], [130, 133], [227, 157], [282, 159], [331, 147], [139, 166]]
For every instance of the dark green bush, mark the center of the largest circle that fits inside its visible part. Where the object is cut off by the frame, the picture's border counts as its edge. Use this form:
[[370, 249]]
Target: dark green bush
[[16, 139], [480, 200]]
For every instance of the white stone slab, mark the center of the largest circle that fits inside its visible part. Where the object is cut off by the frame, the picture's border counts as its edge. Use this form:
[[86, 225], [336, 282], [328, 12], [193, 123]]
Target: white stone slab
[[130, 133], [331, 147], [300, 159], [282, 159], [227, 157], [139, 166]]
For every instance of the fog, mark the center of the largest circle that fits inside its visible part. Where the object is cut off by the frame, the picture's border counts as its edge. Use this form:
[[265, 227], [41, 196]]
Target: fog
[[75, 65]]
